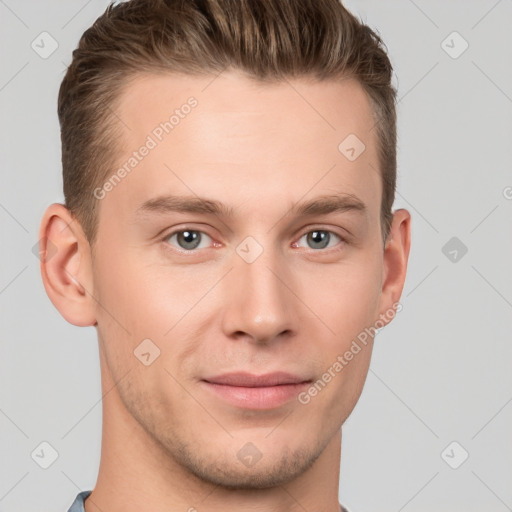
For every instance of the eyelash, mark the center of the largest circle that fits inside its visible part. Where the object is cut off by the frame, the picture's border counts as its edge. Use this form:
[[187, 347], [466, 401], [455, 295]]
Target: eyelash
[[342, 241]]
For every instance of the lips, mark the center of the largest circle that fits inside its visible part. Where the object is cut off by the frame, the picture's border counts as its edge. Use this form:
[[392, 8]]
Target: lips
[[248, 380], [257, 392]]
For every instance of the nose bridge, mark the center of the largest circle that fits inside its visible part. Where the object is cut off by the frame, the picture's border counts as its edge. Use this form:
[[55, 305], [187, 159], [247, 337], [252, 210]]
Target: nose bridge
[[258, 303]]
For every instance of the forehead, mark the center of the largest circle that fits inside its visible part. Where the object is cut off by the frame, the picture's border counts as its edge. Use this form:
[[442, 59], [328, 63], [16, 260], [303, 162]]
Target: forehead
[[247, 143]]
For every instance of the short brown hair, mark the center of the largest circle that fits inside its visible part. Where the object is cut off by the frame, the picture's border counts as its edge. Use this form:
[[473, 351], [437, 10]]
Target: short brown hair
[[269, 40]]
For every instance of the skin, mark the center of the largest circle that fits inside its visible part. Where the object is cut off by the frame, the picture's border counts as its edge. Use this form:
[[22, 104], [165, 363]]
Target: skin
[[168, 443]]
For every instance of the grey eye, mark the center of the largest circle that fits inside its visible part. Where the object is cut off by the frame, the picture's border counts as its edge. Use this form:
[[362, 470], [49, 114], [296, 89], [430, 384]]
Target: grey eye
[[187, 239], [320, 239]]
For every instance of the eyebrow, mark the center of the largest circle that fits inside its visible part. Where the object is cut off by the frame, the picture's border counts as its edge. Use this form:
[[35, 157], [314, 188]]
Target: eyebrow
[[322, 205]]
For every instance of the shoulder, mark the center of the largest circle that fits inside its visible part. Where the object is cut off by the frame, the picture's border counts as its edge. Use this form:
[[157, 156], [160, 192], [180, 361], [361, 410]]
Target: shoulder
[[78, 504]]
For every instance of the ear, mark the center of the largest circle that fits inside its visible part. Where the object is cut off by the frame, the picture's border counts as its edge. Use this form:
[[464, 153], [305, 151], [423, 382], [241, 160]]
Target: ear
[[65, 260], [396, 255]]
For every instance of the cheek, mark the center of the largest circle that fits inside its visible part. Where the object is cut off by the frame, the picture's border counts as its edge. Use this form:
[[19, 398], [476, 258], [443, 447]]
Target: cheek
[[142, 299], [344, 296]]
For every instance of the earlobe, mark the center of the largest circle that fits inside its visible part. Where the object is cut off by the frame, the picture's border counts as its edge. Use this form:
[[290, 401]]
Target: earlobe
[[396, 255], [65, 261]]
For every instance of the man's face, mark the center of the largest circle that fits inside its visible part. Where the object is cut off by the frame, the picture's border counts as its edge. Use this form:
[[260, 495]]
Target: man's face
[[267, 288]]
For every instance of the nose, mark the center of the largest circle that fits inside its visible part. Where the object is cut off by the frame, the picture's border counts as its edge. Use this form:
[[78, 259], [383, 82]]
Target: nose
[[258, 298]]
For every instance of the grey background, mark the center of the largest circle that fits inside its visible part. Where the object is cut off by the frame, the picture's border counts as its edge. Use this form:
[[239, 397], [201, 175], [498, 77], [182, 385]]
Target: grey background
[[441, 371]]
